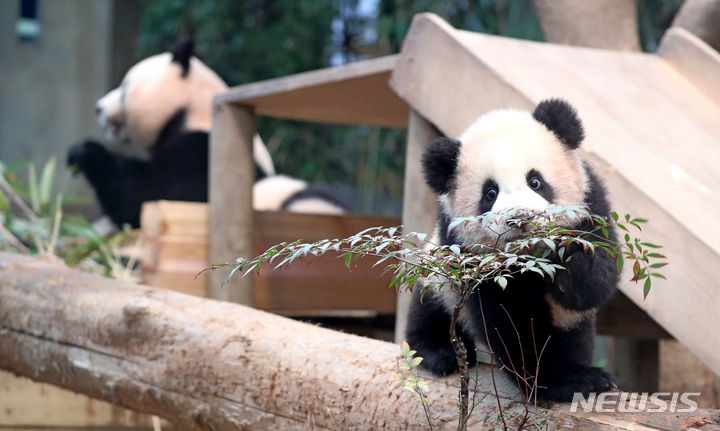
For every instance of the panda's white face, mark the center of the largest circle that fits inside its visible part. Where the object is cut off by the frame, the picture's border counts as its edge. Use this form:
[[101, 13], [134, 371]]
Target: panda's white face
[[151, 92], [509, 160]]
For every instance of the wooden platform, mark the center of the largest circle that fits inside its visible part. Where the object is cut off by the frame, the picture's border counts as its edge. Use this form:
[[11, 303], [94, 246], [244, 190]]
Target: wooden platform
[[175, 236], [653, 127]]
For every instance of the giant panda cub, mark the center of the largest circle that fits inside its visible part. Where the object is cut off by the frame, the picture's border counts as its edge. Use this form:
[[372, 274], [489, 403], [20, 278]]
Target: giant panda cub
[[164, 107], [510, 159]]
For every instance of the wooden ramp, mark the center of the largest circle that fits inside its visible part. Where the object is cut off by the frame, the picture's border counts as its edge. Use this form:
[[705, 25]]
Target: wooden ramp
[[653, 132]]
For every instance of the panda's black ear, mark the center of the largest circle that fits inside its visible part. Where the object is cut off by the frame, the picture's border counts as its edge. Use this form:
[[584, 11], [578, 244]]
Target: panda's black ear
[[561, 119], [182, 53], [439, 163]]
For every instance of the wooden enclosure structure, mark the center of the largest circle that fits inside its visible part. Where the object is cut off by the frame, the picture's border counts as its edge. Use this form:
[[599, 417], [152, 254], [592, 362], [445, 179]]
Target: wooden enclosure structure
[[352, 94], [175, 249], [652, 123]]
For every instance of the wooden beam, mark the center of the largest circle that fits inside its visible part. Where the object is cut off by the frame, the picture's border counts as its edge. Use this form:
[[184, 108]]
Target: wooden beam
[[420, 209], [232, 173], [205, 364], [694, 59], [356, 93]]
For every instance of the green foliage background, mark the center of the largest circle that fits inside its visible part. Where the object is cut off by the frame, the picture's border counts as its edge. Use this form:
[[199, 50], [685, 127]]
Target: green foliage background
[[250, 40]]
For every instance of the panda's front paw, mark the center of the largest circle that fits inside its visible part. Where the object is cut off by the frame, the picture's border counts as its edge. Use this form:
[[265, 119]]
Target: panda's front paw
[[85, 154], [583, 380]]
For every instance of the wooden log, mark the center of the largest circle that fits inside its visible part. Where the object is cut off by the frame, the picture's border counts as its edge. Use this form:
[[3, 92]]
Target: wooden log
[[206, 364], [232, 173]]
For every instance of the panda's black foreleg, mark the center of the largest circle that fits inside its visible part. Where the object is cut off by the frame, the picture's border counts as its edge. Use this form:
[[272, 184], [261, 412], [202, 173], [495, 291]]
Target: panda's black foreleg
[[119, 181], [428, 332], [565, 365], [589, 281], [576, 379]]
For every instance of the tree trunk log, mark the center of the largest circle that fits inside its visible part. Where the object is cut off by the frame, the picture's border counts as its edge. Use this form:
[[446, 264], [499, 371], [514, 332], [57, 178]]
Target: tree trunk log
[[608, 24], [205, 364], [701, 18]]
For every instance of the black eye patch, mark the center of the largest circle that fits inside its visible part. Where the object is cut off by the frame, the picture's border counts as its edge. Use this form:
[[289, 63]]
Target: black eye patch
[[490, 193], [537, 183]]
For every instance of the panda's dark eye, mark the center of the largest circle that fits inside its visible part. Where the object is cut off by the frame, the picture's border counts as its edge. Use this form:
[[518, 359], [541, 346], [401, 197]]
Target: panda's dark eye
[[491, 194], [534, 183]]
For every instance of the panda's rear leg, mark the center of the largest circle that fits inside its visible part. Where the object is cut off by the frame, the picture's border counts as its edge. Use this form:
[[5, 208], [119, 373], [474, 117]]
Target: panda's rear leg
[[563, 385]]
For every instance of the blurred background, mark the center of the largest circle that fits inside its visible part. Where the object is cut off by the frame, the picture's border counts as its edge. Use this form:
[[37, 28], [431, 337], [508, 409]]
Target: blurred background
[[58, 57]]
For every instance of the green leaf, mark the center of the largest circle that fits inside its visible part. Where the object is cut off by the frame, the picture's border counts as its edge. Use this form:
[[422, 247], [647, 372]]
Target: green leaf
[[658, 265], [619, 262], [646, 287], [416, 361], [404, 348], [614, 216], [32, 185], [650, 245], [658, 275], [4, 204], [46, 181]]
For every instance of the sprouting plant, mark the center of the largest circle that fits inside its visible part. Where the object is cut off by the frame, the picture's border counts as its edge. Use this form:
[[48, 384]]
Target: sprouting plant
[[416, 262], [414, 383], [32, 222]]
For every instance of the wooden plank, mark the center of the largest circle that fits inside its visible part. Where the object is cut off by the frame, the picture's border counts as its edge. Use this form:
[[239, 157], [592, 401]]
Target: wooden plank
[[650, 132], [232, 174], [420, 208], [173, 259], [694, 59], [325, 283], [422, 77], [356, 93]]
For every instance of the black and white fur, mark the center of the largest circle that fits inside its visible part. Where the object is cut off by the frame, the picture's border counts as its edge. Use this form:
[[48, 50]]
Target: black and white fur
[[509, 159], [163, 106]]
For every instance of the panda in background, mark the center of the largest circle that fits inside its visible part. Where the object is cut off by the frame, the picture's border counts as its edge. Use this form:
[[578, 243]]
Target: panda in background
[[510, 159], [164, 107]]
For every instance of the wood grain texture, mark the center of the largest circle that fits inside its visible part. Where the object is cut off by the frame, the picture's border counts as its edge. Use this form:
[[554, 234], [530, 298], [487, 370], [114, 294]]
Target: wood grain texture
[[232, 173], [607, 24], [698, 62], [651, 133], [175, 250], [356, 93], [213, 365]]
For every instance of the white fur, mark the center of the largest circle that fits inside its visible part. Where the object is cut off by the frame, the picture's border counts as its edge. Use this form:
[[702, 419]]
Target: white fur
[[565, 318], [152, 91], [503, 146], [269, 194]]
